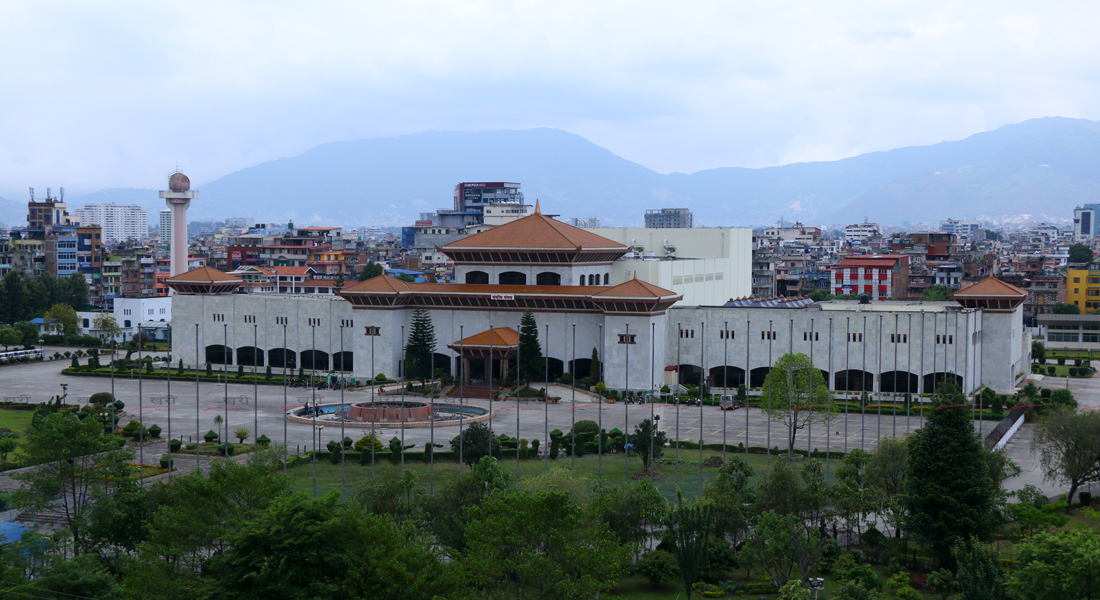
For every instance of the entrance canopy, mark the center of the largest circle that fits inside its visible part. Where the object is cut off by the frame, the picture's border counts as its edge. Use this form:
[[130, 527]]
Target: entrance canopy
[[501, 341]]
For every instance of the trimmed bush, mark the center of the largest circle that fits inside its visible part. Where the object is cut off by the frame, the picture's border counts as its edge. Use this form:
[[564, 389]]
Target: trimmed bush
[[364, 443], [119, 405], [174, 445], [1061, 361], [1085, 498], [1045, 393], [192, 446], [166, 462], [1077, 362], [210, 436], [534, 448], [226, 449], [154, 431], [1073, 371], [555, 442], [263, 441], [101, 399], [1050, 370]]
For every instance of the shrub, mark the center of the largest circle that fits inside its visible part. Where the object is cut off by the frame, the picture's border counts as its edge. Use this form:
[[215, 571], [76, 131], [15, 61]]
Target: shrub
[[1045, 393], [226, 449], [555, 443], [1051, 370], [166, 462], [1073, 371], [1077, 362], [1061, 361], [659, 567], [210, 436], [381, 377], [209, 370], [192, 446], [907, 593], [133, 430], [174, 445], [154, 431], [534, 448], [76, 363], [364, 443], [348, 442], [581, 427], [263, 441], [1085, 498], [101, 399]]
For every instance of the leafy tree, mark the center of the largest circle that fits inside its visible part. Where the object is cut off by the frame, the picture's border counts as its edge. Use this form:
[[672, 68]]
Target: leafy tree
[[539, 546], [7, 446], [687, 535], [1080, 253], [195, 521], [449, 511], [979, 577], [731, 493], [1053, 566], [942, 582], [949, 494], [594, 371], [9, 337], [1063, 397], [107, 325], [1068, 445], [420, 349], [886, 473], [787, 548], [936, 293], [627, 509], [645, 440], [787, 492], [65, 317], [371, 270], [474, 443], [796, 395], [1038, 352], [1034, 513], [659, 567], [1062, 308], [83, 576], [301, 547], [76, 291], [76, 465], [15, 305], [530, 352], [28, 332]]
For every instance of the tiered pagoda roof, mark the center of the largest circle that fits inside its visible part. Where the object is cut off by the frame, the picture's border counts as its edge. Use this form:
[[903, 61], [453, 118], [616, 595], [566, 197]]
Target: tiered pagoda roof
[[534, 239], [203, 280]]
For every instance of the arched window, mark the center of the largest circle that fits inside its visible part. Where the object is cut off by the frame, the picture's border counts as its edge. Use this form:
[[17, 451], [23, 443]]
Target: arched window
[[548, 278], [582, 279], [477, 277], [591, 280], [512, 278], [607, 278]]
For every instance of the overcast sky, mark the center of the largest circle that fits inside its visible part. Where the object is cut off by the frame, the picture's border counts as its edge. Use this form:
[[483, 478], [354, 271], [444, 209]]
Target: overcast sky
[[115, 94]]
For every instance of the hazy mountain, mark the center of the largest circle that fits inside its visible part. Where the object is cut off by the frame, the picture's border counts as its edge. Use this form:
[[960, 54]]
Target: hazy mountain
[[1042, 167]]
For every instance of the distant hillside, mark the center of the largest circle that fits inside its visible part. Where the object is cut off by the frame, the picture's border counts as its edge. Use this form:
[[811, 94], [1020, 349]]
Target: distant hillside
[[1042, 167]]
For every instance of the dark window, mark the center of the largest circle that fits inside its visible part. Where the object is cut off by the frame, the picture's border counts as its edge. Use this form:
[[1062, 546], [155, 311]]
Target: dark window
[[512, 278], [477, 277], [627, 339], [548, 278]]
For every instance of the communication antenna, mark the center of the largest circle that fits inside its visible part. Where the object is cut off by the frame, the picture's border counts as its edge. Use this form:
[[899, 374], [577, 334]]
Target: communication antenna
[[32, 194], [62, 198], [48, 194]]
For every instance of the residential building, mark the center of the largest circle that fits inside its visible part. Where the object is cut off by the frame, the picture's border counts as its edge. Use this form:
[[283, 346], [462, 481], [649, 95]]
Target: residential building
[[120, 222], [668, 218], [584, 222], [1083, 287], [165, 227], [473, 196], [51, 212], [881, 277], [964, 228], [859, 233], [1042, 294], [1085, 222]]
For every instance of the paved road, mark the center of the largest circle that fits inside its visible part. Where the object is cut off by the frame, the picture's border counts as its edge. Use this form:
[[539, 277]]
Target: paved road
[[38, 382]]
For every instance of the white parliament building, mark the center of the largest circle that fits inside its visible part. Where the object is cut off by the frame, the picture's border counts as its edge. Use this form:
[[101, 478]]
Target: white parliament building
[[645, 335]]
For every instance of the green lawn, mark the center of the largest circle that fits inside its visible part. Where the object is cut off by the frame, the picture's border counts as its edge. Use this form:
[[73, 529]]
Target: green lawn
[[16, 420], [1059, 370], [587, 467]]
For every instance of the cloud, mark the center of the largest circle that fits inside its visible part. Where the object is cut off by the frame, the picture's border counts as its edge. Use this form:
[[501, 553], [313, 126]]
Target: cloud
[[115, 94]]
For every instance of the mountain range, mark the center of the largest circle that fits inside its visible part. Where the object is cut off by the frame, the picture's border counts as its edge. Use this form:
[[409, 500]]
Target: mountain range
[[1038, 169]]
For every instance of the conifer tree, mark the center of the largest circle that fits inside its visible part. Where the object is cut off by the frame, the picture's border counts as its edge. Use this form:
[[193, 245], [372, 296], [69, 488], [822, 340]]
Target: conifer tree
[[420, 348], [531, 361], [948, 490]]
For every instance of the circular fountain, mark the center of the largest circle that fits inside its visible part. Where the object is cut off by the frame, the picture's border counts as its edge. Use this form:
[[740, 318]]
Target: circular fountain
[[389, 414]]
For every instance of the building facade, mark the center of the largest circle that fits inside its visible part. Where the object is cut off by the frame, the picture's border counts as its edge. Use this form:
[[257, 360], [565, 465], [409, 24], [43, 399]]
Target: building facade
[[668, 218], [119, 222], [562, 274], [1085, 222], [882, 277]]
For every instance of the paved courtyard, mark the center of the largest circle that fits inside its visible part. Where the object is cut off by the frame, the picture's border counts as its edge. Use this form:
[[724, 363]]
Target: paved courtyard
[[38, 382]]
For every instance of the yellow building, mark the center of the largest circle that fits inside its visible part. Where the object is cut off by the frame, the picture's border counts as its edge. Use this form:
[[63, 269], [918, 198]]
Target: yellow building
[[1083, 289]]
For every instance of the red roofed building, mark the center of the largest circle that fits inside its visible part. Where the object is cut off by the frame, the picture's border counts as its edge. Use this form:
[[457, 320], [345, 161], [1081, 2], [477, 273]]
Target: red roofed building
[[882, 277]]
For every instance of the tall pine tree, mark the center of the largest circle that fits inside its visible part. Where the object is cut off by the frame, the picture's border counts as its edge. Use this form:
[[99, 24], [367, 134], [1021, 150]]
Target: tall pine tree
[[420, 348], [531, 363], [948, 491]]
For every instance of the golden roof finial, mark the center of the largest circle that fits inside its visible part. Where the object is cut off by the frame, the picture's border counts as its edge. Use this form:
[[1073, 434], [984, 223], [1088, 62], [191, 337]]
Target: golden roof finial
[[538, 211]]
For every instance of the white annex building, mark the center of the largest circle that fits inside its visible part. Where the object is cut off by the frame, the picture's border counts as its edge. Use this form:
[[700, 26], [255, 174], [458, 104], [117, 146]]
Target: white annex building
[[120, 222], [566, 277]]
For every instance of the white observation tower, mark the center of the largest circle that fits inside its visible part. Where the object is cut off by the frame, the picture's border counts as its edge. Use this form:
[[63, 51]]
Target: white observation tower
[[178, 198]]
